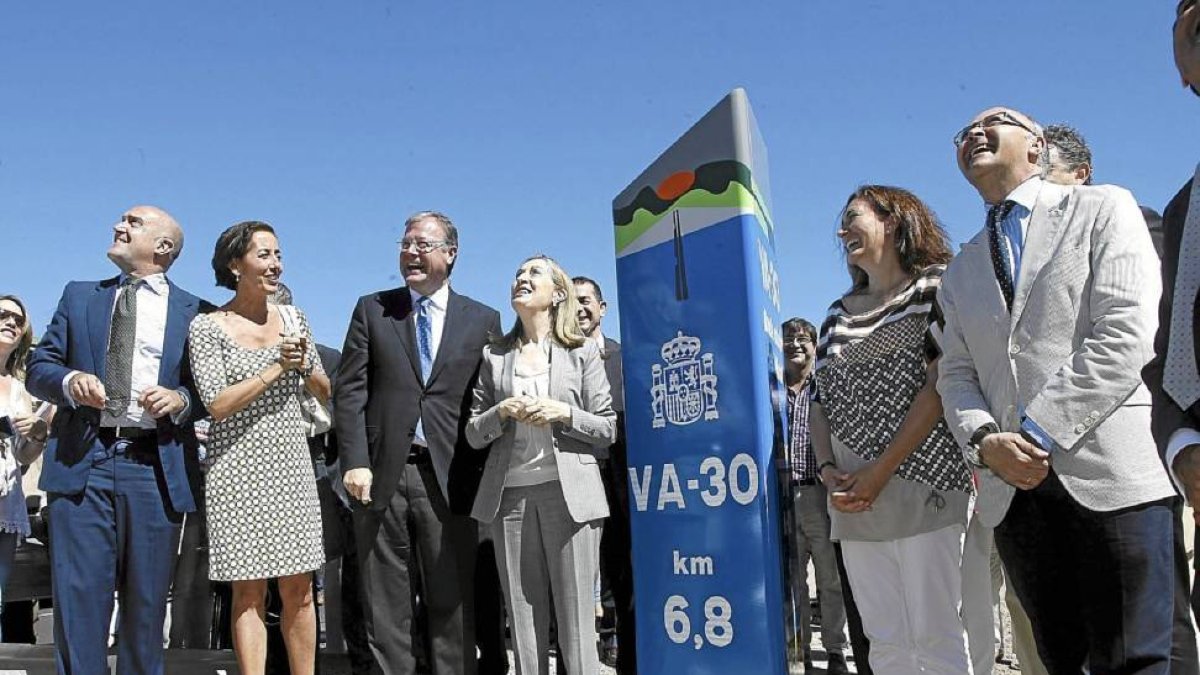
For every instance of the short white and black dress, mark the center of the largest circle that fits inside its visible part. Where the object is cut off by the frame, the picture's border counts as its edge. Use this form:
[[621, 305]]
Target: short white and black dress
[[264, 515]]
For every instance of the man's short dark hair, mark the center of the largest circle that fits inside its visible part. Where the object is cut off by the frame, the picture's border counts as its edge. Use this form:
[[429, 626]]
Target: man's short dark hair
[[798, 325], [231, 245], [1154, 223], [1072, 147], [595, 286]]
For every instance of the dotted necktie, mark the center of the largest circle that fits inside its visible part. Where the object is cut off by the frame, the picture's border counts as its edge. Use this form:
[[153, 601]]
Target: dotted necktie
[[118, 360], [1180, 378], [424, 337], [1004, 277]]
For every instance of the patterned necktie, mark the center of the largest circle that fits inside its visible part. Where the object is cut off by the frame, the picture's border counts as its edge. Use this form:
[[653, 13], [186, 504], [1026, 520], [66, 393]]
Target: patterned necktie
[[996, 215], [424, 337], [1180, 378], [118, 361]]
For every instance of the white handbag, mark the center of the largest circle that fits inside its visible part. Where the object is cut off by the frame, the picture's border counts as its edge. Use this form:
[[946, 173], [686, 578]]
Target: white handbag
[[317, 419]]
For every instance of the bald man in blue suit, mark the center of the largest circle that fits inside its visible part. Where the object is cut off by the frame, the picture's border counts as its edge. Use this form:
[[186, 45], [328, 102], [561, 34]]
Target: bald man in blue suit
[[122, 450]]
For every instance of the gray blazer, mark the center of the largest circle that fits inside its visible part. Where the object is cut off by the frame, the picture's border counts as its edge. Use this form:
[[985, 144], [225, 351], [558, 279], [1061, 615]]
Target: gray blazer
[[576, 377], [1081, 328]]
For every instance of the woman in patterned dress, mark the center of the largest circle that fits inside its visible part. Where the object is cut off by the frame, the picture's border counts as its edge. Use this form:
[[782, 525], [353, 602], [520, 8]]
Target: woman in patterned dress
[[899, 486], [264, 516]]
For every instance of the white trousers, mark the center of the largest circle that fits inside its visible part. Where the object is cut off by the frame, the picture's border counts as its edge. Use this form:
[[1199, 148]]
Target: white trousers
[[909, 592]]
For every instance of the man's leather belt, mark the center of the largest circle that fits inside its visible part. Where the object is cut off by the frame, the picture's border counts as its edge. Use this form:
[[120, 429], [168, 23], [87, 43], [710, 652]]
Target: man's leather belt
[[806, 482], [418, 454], [110, 434]]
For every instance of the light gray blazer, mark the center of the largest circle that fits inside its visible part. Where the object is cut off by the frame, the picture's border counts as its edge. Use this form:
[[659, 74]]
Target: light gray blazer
[[1082, 326], [576, 377]]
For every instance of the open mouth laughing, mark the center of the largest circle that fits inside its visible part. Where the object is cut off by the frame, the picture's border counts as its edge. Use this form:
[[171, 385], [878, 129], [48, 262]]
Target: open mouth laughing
[[522, 290]]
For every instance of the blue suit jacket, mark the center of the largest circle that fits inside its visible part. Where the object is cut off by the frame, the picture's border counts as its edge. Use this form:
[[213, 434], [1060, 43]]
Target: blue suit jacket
[[77, 340]]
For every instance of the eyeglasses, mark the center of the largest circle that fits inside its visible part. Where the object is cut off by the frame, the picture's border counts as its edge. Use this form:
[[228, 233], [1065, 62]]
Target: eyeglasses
[[420, 246], [6, 315], [1000, 119], [797, 340]]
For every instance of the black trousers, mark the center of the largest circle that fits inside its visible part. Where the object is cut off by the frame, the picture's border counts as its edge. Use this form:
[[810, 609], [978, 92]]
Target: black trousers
[[192, 597], [417, 532], [859, 643], [489, 610], [1196, 578], [616, 551], [1098, 586], [1183, 634]]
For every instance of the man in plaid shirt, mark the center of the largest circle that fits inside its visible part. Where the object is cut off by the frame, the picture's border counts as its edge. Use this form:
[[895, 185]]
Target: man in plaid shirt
[[810, 514]]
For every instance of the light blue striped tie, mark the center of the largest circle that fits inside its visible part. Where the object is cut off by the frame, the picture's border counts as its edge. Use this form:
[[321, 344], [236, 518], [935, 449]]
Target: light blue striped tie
[[425, 352], [424, 337]]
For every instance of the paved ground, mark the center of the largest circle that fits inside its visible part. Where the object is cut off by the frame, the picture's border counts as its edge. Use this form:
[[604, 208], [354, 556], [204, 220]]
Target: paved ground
[[337, 665]]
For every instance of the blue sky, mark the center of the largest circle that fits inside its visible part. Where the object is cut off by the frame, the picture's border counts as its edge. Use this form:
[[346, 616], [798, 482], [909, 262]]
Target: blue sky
[[522, 121]]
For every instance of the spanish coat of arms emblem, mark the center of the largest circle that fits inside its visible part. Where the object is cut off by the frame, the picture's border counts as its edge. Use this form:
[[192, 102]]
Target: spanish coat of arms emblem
[[685, 390]]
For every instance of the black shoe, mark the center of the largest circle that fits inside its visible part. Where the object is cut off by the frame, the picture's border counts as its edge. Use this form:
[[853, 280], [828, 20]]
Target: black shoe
[[837, 665]]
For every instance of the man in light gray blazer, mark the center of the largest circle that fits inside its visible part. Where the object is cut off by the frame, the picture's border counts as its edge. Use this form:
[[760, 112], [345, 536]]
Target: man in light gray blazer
[[1049, 316]]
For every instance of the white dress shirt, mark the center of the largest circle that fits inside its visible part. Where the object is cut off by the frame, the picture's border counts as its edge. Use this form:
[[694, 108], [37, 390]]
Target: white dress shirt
[[153, 291], [437, 316]]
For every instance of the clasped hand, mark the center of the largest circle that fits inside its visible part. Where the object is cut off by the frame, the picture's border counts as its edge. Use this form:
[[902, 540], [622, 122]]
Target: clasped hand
[[87, 389], [1187, 471], [30, 427], [292, 350], [1019, 462], [536, 410], [855, 492]]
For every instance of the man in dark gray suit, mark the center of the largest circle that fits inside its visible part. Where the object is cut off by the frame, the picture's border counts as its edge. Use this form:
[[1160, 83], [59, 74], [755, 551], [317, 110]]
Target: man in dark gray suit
[[1039, 379], [616, 545], [401, 400], [1172, 376]]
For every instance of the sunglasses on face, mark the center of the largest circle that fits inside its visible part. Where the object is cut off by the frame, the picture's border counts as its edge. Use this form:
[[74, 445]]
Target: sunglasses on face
[[8, 315]]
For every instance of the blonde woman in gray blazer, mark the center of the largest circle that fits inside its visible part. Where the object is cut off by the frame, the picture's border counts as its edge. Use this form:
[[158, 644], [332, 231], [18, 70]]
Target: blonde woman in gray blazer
[[542, 403]]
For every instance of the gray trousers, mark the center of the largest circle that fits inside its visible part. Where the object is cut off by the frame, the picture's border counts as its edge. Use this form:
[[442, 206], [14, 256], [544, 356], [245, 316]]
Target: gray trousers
[[812, 540], [542, 553]]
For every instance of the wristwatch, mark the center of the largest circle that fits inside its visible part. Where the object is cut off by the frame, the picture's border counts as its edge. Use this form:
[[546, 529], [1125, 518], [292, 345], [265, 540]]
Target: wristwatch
[[971, 452]]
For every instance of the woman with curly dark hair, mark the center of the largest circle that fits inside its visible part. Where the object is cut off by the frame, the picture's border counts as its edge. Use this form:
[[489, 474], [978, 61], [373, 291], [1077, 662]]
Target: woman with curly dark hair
[[899, 487]]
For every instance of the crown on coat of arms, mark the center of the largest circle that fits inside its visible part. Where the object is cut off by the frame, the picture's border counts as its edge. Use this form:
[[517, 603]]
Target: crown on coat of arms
[[682, 348]]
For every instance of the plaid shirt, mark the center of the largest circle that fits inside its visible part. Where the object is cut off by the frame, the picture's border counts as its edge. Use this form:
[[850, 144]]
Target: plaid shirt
[[800, 456]]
